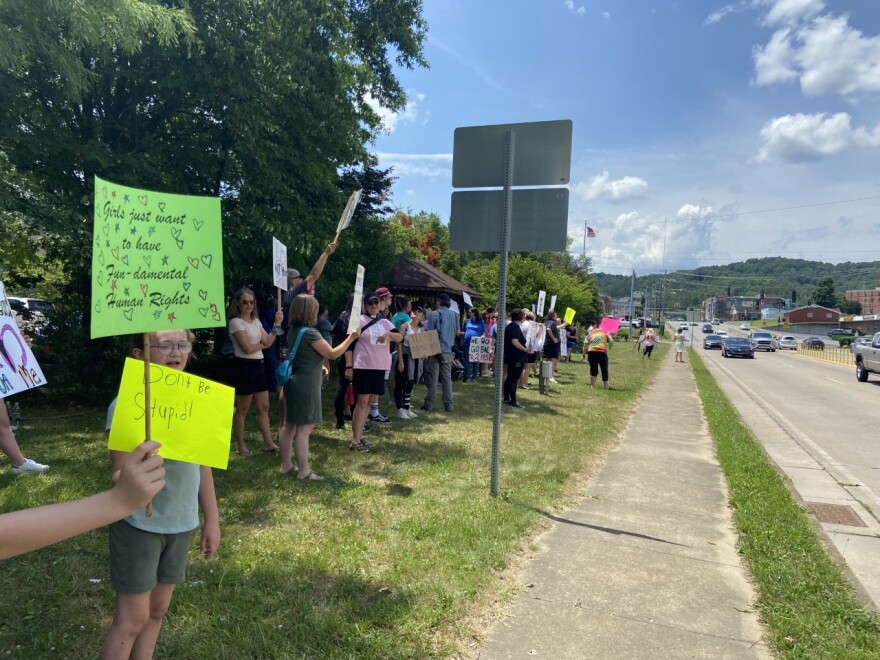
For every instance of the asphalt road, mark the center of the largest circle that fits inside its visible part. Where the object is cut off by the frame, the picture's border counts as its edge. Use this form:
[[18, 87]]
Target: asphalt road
[[824, 403]]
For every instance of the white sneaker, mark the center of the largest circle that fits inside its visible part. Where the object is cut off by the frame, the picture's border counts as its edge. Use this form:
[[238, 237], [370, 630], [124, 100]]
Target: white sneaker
[[410, 413], [554, 381], [29, 466], [402, 414]]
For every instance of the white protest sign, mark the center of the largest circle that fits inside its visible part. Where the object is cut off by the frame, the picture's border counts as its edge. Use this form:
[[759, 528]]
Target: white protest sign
[[354, 320], [348, 212], [467, 299], [542, 297], [19, 370], [279, 264], [453, 305], [480, 350], [553, 302]]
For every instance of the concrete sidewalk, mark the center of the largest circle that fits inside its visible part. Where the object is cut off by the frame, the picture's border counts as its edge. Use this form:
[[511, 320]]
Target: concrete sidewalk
[[646, 566]]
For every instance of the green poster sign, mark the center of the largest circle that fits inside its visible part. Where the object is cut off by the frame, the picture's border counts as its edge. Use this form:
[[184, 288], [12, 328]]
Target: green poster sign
[[157, 261]]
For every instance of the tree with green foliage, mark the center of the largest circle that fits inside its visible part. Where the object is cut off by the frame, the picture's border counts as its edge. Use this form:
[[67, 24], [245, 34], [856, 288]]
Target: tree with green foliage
[[824, 294], [259, 102]]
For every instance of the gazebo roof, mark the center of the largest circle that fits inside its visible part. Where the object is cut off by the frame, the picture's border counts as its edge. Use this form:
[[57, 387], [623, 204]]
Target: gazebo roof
[[418, 278]]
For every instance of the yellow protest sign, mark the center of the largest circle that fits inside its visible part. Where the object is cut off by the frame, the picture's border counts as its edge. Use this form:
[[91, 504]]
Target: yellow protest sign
[[191, 416], [569, 314]]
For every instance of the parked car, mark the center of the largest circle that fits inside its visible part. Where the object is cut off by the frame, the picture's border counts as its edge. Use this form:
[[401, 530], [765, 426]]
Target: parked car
[[787, 341], [745, 327], [712, 341], [762, 340], [28, 307], [841, 331], [737, 347], [813, 343], [707, 328]]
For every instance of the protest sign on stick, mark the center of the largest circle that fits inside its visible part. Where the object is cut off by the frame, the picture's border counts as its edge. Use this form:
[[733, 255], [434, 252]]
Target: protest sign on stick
[[279, 267], [354, 321], [424, 344], [467, 299], [192, 416], [569, 315], [347, 213], [553, 302], [542, 296], [19, 370], [157, 264]]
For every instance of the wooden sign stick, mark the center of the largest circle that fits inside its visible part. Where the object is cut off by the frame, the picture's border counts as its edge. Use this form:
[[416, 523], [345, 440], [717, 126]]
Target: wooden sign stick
[[278, 306], [148, 431]]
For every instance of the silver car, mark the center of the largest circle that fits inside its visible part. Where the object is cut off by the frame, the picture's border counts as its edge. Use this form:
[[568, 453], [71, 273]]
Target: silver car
[[787, 341], [763, 341]]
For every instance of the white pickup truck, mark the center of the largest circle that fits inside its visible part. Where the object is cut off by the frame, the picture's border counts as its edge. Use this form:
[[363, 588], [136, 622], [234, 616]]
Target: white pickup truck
[[867, 357]]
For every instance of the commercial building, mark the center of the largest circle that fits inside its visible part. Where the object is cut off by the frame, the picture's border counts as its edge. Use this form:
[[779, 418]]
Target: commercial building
[[869, 299]]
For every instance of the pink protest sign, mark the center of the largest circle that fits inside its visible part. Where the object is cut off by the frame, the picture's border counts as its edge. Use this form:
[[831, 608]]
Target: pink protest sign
[[609, 325]]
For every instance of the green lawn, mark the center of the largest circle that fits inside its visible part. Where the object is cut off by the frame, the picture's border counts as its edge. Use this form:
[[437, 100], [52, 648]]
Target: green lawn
[[808, 607], [399, 554]]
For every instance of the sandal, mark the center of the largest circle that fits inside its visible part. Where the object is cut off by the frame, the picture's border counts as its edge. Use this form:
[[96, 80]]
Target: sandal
[[247, 453], [358, 446], [270, 450], [311, 476]]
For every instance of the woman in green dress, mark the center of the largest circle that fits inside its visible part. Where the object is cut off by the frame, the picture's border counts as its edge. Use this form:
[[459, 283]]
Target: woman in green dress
[[302, 393]]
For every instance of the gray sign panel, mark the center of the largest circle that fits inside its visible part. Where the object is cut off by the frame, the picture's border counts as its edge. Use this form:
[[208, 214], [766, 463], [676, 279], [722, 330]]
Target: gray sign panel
[[539, 224], [542, 154]]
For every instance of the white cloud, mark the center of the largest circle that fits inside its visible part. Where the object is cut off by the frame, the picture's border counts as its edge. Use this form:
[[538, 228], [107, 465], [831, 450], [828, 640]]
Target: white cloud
[[694, 212], [605, 14], [725, 11], [429, 165], [786, 12], [799, 137], [580, 11], [390, 119], [601, 186], [826, 55]]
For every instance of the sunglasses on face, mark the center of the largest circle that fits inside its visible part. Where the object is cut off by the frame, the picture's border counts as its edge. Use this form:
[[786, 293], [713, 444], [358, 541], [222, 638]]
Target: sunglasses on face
[[246, 302], [372, 302]]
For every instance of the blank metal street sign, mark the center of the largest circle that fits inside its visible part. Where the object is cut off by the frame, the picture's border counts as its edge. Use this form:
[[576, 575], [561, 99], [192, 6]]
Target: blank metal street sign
[[543, 154], [539, 223]]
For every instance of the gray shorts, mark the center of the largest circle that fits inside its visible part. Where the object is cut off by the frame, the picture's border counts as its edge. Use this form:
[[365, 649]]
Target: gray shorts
[[139, 559]]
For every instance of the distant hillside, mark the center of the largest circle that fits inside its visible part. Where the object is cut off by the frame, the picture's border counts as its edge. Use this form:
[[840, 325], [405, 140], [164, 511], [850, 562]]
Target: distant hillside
[[775, 276]]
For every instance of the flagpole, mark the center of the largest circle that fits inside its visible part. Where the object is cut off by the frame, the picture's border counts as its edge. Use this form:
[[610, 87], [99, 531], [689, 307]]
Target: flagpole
[[585, 239]]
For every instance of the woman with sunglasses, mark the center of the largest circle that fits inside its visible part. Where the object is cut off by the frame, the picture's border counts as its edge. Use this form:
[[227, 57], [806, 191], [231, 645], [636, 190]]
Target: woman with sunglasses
[[370, 360], [248, 371]]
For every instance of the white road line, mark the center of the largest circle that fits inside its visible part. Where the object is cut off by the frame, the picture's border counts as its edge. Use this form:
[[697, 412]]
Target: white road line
[[834, 381]]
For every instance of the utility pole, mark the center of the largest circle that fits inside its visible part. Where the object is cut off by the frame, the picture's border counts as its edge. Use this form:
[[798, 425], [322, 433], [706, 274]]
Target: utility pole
[[632, 288]]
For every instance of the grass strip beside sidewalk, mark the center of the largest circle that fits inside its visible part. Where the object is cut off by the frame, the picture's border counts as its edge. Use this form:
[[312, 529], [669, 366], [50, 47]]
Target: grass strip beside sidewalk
[[808, 606]]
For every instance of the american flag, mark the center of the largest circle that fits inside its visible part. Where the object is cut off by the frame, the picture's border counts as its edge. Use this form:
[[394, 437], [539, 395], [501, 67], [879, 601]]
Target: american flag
[[591, 233]]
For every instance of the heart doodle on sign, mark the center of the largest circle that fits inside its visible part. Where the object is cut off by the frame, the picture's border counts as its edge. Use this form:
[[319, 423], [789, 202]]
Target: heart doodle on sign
[[203, 294], [180, 243], [157, 313], [143, 199], [186, 286], [198, 224], [100, 279], [144, 289], [203, 311], [104, 191], [115, 252], [193, 262], [106, 229], [207, 259], [125, 259], [216, 315], [98, 307], [128, 313], [175, 231], [148, 260], [101, 258], [162, 206]]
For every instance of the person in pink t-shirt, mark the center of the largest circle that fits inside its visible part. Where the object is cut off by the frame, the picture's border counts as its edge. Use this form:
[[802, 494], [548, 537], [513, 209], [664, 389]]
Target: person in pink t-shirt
[[370, 360]]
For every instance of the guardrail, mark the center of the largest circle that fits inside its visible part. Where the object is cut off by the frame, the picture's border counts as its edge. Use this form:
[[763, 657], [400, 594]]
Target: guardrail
[[829, 354]]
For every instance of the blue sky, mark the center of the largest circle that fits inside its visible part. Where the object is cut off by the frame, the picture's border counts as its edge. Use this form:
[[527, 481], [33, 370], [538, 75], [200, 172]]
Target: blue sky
[[712, 119]]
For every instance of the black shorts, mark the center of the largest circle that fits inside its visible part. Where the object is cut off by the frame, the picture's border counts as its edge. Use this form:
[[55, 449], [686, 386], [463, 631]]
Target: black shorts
[[249, 376], [598, 360], [532, 358], [369, 381], [551, 350]]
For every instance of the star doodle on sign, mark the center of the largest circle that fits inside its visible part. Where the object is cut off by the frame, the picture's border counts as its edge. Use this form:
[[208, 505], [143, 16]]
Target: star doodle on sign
[[165, 260], [171, 317], [113, 194], [133, 231], [113, 285], [108, 243], [116, 228], [127, 294], [151, 231], [126, 198]]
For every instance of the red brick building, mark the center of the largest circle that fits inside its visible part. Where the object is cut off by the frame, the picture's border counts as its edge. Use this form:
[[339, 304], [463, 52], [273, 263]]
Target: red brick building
[[869, 298]]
